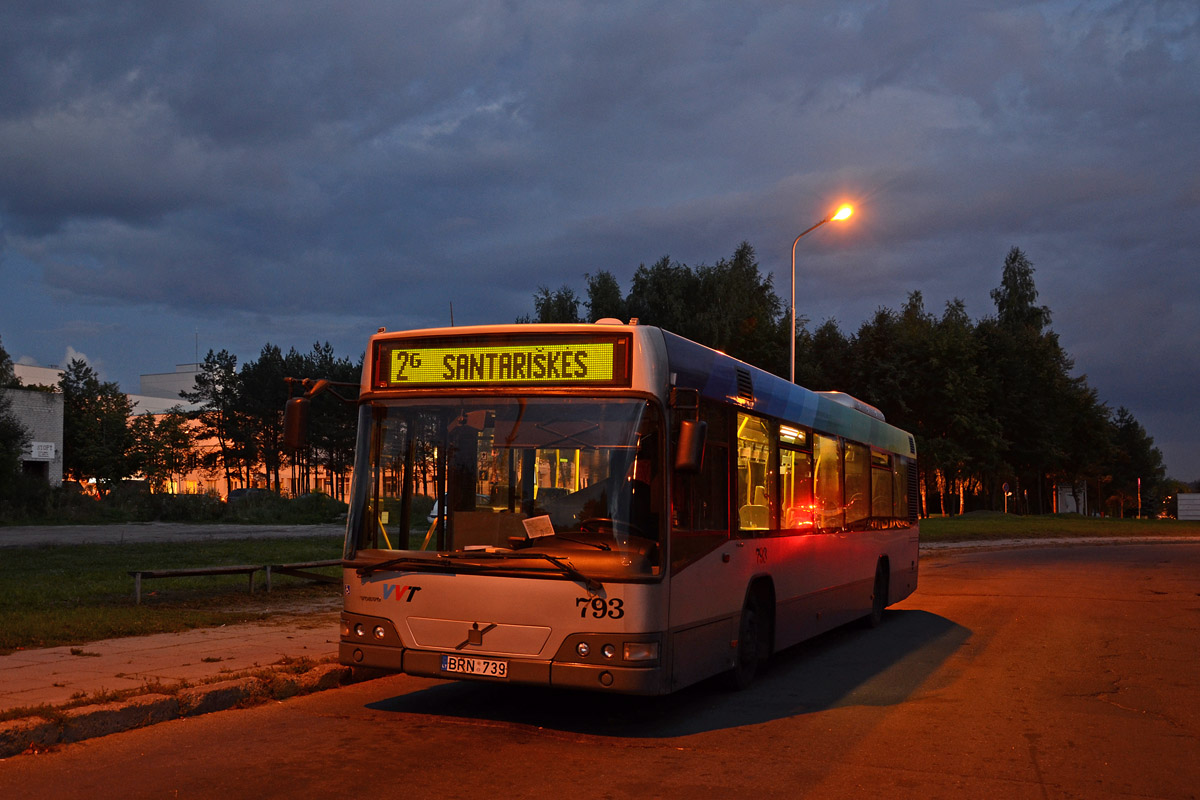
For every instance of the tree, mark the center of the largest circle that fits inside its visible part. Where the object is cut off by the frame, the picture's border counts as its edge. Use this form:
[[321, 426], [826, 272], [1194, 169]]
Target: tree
[[95, 427], [13, 438], [737, 311], [558, 306], [823, 358], [1137, 469], [1029, 384], [8, 379], [333, 424], [665, 294], [729, 305], [217, 392], [1086, 434], [604, 298], [159, 447], [261, 398], [938, 380], [1016, 295]]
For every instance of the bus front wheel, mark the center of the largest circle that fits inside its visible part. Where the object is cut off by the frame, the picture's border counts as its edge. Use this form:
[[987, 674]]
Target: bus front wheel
[[750, 645]]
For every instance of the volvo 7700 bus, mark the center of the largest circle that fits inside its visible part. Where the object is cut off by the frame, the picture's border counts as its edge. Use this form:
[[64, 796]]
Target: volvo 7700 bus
[[610, 507]]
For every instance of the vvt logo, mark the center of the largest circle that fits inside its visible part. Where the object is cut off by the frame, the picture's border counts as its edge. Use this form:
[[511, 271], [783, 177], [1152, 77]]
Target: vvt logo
[[391, 590]]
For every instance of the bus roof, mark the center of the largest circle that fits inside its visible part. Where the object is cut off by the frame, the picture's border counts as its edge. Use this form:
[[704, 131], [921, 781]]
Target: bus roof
[[722, 378]]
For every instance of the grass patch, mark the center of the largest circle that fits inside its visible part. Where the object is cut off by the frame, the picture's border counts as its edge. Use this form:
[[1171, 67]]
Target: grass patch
[[985, 526], [73, 594]]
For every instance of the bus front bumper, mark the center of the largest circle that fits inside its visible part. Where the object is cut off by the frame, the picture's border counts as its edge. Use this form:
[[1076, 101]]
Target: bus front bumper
[[646, 680]]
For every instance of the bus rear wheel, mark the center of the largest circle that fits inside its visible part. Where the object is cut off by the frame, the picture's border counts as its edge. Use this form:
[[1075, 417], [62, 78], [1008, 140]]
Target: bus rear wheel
[[879, 594]]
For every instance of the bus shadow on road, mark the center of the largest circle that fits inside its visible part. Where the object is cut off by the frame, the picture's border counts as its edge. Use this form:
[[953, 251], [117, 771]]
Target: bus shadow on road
[[849, 666]]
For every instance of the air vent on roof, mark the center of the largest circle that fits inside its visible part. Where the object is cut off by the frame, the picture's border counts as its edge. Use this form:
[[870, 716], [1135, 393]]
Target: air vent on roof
[[855, 403], [745, 384]]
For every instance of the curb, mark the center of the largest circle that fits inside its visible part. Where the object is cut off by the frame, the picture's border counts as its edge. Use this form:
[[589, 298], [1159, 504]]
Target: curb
[[45, 728]]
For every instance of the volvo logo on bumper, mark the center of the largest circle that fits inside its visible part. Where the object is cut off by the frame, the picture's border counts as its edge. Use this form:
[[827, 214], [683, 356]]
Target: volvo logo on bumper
[[475, 636]]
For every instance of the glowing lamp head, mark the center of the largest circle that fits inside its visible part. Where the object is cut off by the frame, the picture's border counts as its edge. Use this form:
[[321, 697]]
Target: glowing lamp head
[[843, 213]]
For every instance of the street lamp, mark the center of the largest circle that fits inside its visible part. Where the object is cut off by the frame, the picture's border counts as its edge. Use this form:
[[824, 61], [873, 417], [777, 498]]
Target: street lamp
[[841, 214]]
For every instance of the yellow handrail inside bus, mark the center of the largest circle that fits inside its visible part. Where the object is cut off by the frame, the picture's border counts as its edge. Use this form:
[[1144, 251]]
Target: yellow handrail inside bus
[[429, 536], [383, 530]]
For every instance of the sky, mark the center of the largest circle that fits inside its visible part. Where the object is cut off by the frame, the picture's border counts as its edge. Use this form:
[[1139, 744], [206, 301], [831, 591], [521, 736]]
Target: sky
[[183, 177]]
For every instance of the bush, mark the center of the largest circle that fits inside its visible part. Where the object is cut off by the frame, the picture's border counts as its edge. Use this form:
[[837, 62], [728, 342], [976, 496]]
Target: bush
[[421, 506], [25, 497], [69, 504], [205, 507], [316, 507], [131, 501], [255, 507]]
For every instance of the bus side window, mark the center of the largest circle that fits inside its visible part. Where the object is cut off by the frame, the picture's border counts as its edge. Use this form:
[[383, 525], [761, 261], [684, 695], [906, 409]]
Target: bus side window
[[882, 484], [858, 482], [795, 474], [827, 478], [755, 474]]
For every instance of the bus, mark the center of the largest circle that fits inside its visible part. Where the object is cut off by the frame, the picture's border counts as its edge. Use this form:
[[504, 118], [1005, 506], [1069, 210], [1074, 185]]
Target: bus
[[610, 507]]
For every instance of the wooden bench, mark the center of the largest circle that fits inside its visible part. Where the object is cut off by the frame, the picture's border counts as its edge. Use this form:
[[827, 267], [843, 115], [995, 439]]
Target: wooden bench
[[236, 569], [301, 570]]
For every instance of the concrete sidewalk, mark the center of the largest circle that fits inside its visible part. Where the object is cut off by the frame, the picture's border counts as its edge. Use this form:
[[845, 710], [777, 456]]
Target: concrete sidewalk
[[140, 680], [55, 676]]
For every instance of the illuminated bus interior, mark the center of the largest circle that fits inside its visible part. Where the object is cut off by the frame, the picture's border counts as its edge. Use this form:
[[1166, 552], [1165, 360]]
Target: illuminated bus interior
[[557, 475]]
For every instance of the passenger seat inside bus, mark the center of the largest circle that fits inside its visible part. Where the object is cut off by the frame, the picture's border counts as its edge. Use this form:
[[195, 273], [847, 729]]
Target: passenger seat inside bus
[[755, 515]]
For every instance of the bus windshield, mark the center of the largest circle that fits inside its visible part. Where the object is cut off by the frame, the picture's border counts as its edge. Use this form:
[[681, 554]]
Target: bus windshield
[[512, 480]]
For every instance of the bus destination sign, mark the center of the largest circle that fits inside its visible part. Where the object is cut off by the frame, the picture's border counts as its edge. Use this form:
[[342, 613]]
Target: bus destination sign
[[591, 361]]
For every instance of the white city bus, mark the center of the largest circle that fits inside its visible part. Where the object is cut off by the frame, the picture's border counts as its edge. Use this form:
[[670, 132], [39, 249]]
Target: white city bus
[[616, 508]]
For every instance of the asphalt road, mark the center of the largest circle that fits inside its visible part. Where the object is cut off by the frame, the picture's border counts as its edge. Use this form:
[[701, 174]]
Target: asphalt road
[[1039, 673]]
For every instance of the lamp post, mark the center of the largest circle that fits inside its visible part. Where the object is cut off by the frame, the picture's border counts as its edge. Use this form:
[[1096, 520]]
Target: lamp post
[[842, 213]]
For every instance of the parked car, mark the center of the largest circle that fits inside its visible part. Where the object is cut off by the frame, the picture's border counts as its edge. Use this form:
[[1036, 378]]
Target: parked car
[[237, 495]]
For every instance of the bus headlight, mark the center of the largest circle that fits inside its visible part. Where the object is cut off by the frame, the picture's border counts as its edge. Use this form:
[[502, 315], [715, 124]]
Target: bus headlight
[[641, 651]]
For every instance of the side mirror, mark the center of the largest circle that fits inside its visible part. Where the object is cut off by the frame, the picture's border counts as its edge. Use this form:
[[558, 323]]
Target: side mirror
[[295, 424], [689, 448]]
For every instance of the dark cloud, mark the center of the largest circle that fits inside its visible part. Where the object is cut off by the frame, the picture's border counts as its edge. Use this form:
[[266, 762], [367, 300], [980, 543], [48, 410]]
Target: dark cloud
[[291, 173]]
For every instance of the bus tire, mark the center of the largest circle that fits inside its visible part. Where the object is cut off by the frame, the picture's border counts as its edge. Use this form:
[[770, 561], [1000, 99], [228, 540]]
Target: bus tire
[[879, 594], [750, 645]]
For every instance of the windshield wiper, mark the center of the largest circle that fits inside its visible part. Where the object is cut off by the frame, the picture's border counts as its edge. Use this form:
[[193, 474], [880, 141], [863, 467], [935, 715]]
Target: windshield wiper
[[465, 559], [597, 545], [391, 563], [591, 584]]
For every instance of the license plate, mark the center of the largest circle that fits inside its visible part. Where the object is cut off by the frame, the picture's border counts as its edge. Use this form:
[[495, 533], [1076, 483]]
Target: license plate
[[465, 665]]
